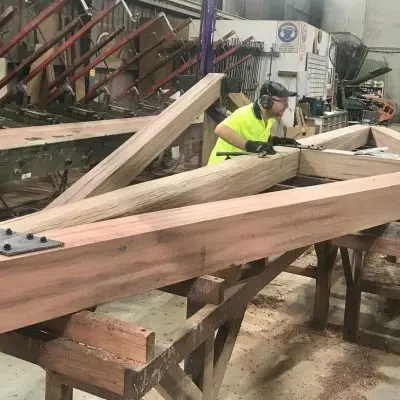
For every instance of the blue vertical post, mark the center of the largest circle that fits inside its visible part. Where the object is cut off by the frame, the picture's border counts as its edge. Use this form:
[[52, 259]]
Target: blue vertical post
[[207, 28]]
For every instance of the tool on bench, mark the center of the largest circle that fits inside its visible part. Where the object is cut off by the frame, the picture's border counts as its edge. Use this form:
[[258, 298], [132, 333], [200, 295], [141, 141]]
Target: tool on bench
[[303, 147], [229, 154], [263, 154]]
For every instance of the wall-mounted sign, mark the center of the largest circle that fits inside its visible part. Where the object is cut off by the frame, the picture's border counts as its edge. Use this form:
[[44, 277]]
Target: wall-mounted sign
[[287, 37]]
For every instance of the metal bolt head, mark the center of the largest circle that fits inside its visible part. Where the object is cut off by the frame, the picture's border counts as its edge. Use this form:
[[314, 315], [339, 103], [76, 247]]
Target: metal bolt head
[[43, 239], [29, 236], [7, 247], [9, 231]]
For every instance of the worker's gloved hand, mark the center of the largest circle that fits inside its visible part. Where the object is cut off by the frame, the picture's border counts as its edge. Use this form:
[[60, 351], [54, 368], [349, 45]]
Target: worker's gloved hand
[[278, 141], [259, 147]]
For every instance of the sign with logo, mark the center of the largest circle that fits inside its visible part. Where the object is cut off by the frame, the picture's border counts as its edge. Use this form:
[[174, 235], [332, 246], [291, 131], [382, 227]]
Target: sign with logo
[[287, 37]]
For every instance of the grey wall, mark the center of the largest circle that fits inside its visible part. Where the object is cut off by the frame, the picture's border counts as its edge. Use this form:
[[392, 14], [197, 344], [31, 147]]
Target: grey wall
[[297, 10], [377, 24]]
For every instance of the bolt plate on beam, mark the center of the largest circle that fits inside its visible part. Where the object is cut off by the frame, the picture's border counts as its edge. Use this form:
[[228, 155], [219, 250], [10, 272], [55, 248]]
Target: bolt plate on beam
[[14, 243]]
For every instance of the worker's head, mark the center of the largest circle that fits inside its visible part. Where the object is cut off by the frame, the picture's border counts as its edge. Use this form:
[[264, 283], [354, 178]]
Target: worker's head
[[274, 98]]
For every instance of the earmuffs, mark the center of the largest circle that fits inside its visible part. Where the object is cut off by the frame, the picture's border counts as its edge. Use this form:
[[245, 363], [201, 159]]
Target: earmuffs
[[266, 101]]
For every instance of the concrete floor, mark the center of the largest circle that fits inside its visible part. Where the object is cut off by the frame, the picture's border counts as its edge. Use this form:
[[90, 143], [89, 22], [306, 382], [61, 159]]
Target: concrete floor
[[277, 356]]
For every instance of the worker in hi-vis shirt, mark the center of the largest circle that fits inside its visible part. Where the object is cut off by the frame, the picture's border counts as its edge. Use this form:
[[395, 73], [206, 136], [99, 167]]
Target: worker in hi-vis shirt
[[249, 127]]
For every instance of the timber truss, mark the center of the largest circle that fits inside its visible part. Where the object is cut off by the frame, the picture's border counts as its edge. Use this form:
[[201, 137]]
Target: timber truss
[[208, 235]]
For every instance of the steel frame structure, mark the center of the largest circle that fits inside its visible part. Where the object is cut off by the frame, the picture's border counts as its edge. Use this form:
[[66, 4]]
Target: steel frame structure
[[96, 90], [42, 50], [101, 57], [34, 23]]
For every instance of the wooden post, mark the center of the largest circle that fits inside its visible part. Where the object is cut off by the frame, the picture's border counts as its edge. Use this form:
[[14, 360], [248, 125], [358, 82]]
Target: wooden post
[[224, 344], [195, 363], [353, 298], [208, 373], [55, 389], [326, 254], [209, 138]]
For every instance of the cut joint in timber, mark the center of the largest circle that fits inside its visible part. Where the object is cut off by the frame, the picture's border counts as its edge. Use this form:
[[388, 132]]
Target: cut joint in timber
[[13, 243]]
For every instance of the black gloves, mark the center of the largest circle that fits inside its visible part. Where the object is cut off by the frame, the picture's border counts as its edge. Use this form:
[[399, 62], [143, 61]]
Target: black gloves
[[259, 147], [266, 148], [278, 141]]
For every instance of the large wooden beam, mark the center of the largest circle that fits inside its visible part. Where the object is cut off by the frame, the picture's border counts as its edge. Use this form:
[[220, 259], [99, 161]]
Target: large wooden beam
[[33, 154], [110, 260], [386, 137], [124, 164], [349, 138], [344, 165], [15, 138], [241, 176]]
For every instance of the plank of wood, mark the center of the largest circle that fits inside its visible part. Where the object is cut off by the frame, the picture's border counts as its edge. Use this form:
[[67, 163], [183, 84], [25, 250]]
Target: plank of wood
[[209, 138], [384, 281], [381, 241], [309, 272], [176, 383], [353, 300], [224, 344], [14, 138], [35, 86], [332, 165], [235, 178], [348, 138], [204, 289], [124, 164], [386, 137], [326, 254], [64, 357], [55, 389], [107, 333], [110, 260], [237, 100]]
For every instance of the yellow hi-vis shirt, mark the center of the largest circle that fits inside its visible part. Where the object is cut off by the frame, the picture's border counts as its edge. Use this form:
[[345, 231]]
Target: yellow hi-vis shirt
[[246, 124]]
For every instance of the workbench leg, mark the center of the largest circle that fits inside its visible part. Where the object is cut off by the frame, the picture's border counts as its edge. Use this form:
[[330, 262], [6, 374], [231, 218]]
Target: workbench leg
[[224, 344], [326, 255], [208, 373], [195, 363], [353, 298], [55, 389]]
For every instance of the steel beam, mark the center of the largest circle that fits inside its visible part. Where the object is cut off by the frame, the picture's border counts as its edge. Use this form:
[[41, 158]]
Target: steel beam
[[96, 90], [101, 57], [237, 63], [84, 58], [68, 43], [207, 28], [160, 83], [166, 60], [42, 50], [53, 7]]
